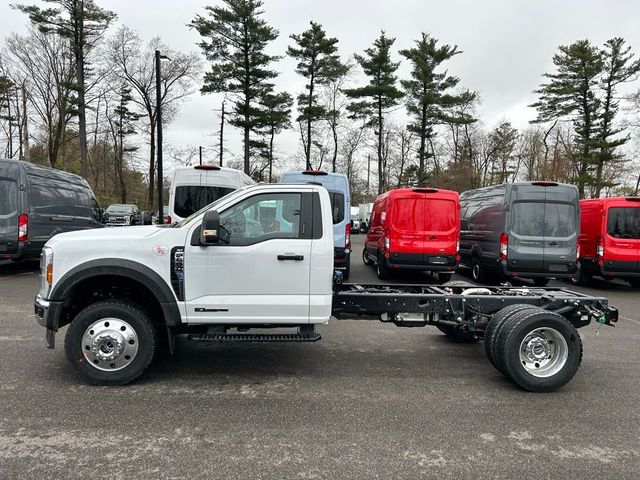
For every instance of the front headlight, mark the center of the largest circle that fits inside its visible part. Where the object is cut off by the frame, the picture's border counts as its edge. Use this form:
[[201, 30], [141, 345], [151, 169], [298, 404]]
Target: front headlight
[[46, 272]]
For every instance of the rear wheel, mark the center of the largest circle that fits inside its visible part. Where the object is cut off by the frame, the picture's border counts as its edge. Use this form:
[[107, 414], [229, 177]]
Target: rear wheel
[[478, 272], [540, 281], [382, 269], [581, 277], [110, 342], [365, 258], [539, 350], [493, 330], [444, 277]]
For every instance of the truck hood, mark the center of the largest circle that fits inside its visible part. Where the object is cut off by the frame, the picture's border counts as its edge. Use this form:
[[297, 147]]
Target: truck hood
[[108, 234]]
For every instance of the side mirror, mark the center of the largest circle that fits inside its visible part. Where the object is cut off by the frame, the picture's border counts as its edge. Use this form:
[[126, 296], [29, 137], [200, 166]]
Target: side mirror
[[209, 231]]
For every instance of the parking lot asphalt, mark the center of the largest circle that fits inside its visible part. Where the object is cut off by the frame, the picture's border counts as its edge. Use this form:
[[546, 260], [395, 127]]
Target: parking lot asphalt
[[369, 400]]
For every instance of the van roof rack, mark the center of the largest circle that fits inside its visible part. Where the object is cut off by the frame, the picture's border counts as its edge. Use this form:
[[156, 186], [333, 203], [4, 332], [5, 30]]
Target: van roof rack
[[207, 166]]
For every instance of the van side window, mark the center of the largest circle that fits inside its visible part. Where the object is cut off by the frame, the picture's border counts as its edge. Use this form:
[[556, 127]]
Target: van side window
[[54, 200], [260, 218], [9, 196], [337, 206]]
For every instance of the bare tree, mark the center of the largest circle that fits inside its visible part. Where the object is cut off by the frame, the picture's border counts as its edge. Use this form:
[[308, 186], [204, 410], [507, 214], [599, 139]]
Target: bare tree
[[133, 64]]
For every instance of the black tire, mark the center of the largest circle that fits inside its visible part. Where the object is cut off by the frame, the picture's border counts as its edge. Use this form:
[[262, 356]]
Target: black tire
[[365, 258], [634, 282], [540, 281], [457, 335], [581, 277], [444, 277], [478, 273], [518, 328], [493, 330], [121, 310], [382, 269], [347, 271]]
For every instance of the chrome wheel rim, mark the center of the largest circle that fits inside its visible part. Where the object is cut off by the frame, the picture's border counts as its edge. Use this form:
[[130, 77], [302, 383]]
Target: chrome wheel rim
[[543, 352], [110, 344]]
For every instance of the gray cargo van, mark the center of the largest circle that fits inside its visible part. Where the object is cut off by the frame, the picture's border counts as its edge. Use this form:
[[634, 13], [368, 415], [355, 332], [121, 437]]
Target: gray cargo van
[[524, 229], [37, 203]]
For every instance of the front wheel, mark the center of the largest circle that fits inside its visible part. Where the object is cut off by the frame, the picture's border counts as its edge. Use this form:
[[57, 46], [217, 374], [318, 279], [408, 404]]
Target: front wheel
[[110, 342], [539, 350], [581, 277]]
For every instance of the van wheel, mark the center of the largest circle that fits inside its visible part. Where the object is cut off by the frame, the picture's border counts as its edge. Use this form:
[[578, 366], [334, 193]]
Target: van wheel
[[444, 277], [581, 277], [478, 272], [382, 269], [539, 350], [540, 281], [110, 342], [347, 270], [365, 258]]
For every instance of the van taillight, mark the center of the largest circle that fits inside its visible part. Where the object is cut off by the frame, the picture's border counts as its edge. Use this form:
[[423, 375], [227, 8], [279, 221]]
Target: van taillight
[[347, 236], [577, 252], [458, 257], [600, 249], [168, 219], [23, 228], [504, 246]]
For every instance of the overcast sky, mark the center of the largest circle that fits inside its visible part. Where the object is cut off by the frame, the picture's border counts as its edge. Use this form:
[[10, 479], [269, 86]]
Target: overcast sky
[[507, 44]]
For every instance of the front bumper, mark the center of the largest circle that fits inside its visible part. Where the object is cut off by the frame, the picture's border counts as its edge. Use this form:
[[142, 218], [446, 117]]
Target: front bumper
[[47, 314]]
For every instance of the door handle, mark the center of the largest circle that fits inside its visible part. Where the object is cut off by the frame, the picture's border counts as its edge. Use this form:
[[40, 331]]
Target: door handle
[[291, 256], [552, 244]]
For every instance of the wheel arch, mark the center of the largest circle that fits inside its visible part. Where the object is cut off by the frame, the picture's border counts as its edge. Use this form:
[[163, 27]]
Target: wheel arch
[[119, 274]]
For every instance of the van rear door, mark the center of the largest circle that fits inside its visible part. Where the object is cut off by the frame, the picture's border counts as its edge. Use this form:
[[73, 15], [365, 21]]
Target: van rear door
[[560, 236], [440, 229], [8, 214], [622, 245]]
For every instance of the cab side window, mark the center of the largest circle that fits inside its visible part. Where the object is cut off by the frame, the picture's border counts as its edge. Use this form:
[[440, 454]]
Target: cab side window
[[260, 218]]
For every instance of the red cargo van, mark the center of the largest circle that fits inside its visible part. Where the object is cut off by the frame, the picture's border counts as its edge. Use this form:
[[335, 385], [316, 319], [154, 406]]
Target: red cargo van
[[414, 228], [609, 239]]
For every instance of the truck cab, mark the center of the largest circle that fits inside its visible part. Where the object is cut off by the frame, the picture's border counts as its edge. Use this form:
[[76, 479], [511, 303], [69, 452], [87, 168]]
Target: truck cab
[[227, 264]]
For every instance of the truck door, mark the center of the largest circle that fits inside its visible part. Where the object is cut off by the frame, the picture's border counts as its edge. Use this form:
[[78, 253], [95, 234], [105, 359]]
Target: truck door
[[260, 271]]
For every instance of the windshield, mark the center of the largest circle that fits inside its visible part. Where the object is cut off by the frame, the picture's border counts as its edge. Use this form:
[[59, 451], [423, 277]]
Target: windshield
[[191, 198], [119, 209]]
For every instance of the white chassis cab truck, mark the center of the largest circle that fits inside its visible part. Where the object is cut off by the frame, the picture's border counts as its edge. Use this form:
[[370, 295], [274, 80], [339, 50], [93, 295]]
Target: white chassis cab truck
[[261, 258]]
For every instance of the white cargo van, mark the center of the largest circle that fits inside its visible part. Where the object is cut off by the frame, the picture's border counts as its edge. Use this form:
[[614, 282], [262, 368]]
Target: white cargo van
[[193, 188]]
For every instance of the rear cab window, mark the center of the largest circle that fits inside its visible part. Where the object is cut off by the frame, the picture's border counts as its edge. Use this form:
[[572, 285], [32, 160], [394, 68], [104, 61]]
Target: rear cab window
[[624, 222]]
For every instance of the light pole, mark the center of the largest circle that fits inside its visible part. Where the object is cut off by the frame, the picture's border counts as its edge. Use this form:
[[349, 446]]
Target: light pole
[[159, 137]]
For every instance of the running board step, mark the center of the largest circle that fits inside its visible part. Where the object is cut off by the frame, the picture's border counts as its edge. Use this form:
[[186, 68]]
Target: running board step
[[256, 337]]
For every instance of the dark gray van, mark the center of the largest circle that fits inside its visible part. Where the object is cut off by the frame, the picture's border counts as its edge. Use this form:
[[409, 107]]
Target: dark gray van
[[37, 203], [524, 229]]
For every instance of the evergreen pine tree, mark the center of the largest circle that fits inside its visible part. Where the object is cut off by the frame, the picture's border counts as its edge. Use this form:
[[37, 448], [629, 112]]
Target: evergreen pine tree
[[319, 63], [235, 37], [373, 101], [428, 100]]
